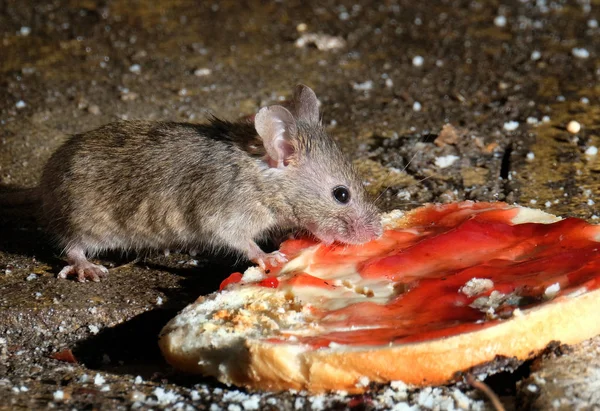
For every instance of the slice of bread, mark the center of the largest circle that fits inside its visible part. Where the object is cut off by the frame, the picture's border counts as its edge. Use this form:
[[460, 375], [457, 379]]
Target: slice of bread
[[400, 308]]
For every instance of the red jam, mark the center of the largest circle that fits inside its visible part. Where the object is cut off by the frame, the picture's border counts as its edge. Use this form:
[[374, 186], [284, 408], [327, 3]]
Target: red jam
[[429, 261], [269, 282], [232, 279]]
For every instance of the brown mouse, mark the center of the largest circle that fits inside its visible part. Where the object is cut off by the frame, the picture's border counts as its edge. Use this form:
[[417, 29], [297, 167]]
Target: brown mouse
[[164, 185]]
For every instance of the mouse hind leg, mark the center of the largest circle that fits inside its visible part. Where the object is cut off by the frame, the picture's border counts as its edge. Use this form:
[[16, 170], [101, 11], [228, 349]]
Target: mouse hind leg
[[80, 266]]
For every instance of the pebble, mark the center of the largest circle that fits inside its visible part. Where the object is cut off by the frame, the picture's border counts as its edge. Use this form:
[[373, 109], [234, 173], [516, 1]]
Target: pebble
[[418, 61], [446, 161], [580, 53], [530, 156], [536, 55], [20, 104], [591, 151], [573, 127], [500, 21], [511, 125], [367, 85], [135, 68], [202, 72], [416, 106]]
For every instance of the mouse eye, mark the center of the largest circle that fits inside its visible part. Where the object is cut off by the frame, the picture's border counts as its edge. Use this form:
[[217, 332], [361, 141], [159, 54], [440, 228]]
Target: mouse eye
[[341, 194]]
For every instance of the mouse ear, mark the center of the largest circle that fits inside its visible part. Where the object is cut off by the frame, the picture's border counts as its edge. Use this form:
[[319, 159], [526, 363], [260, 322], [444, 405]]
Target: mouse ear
[[277, 129], [306, 104]]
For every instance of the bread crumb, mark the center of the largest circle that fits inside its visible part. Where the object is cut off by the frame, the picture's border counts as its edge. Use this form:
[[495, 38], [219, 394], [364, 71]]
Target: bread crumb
[[552, 291], [476, 286]]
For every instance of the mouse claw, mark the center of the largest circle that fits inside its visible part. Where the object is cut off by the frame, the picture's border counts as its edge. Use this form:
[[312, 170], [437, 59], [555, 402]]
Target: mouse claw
[[271, 259], [84, 271]]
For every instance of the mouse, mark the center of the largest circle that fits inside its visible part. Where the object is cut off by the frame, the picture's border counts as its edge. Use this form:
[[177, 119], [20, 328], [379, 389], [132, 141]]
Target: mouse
[[138, 185]]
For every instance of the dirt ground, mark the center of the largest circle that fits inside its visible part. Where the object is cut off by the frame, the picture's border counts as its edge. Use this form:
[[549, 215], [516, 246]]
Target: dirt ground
[[436, 102]]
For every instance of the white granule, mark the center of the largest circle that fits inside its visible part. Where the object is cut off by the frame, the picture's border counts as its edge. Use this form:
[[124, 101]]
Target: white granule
[[363, 382], [532, 121], [446, 161], [138, 380], [252, 403], [500, 21], [590, 202], [530, 156], [546, 119], [25, 31], [20, 104], [511, 125], [416, 106], [580, 53], [135, 68], [58, 395], [194, 395], [591, 151], [159, 300], [93, 329], [299, 403], [476, 286], [365, 86], [234, 407], [418, 61], [165, 397], [99, 380], [215, 407], [399, 385], [592, 23], [536, 55], [323, 42], [202, 72], [552, 290], [462, 401], [548, 204], [317, 402], [31, 277]]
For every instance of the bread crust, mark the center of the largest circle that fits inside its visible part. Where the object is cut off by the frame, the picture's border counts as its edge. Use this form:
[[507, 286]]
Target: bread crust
[[249, 359], [275, 366]]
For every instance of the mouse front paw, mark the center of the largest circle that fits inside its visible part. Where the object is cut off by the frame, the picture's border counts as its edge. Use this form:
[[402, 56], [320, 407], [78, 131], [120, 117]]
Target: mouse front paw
[[85, 271], [274, 259]]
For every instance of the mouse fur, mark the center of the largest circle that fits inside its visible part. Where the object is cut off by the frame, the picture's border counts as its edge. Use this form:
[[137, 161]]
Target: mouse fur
[[137, 185]]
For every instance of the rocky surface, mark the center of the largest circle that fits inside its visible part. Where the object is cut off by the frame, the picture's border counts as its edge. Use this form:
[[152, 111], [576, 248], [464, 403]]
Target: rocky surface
[[436, 101]]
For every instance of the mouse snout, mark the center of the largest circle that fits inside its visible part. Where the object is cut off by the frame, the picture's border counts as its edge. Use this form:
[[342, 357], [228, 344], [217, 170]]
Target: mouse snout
[[365, 230]]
